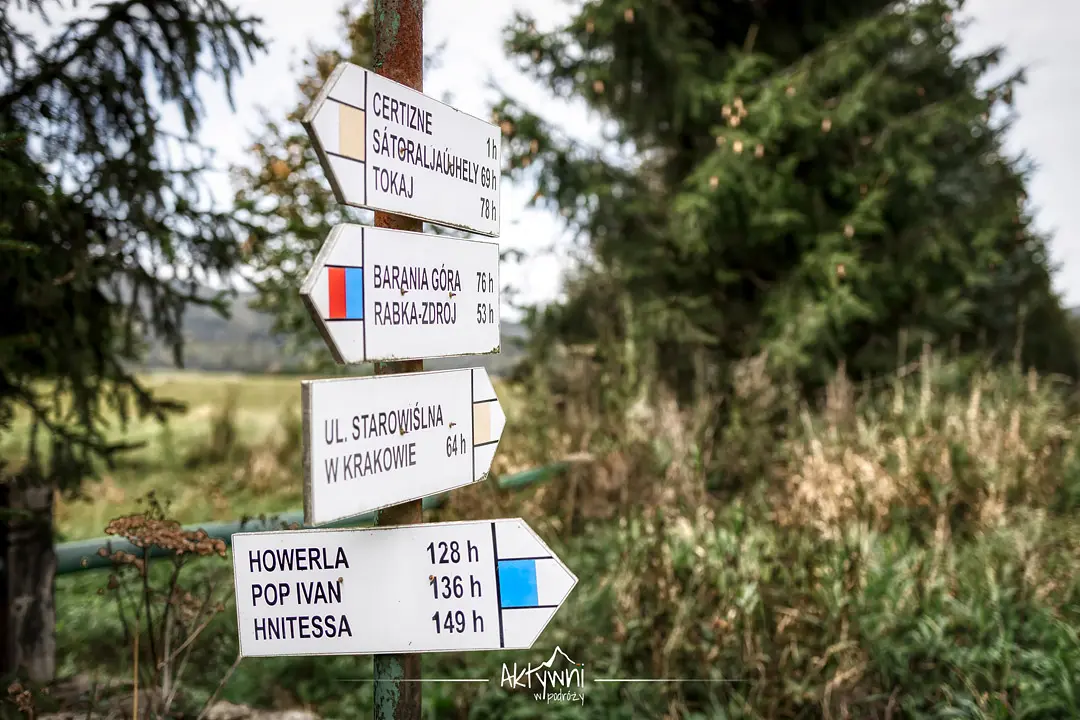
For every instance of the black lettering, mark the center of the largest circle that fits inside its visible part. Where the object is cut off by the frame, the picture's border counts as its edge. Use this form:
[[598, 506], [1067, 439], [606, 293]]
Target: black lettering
[[304, 627]]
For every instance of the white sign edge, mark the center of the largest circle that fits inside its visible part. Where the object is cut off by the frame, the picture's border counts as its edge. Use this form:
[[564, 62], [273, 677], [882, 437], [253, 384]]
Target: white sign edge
[[308, 124], [312, 278], [305, 422], [558, 560], [520, 520], [305, 449]]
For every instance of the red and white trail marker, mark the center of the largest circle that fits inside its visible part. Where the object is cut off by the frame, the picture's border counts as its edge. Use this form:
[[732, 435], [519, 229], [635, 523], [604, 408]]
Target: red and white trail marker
[[380, 295]]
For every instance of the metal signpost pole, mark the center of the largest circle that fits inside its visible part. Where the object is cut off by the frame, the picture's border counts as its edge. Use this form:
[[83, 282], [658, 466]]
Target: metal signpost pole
[[399, 56], [393, 296]]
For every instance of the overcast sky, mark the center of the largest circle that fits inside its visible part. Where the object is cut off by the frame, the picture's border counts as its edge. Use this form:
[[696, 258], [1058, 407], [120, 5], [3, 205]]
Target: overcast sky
[[1040, 34]]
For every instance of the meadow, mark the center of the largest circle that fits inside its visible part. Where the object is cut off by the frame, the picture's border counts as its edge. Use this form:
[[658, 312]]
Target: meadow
[[192, 459], [909, 549]]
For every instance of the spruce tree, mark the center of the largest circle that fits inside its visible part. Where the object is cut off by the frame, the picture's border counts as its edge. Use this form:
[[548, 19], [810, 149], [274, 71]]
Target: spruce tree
[[807, 179], [106, 235]]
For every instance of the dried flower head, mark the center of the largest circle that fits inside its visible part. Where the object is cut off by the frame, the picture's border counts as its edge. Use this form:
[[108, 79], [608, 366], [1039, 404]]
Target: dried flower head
[[144, 531], [23, 698]]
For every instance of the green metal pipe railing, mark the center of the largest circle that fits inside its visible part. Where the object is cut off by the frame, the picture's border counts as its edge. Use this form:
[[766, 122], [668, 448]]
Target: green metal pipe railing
[[72, 557]]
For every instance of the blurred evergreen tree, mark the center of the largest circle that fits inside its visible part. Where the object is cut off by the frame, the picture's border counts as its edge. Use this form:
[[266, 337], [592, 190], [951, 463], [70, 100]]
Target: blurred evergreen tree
[[815, 179], [105, 234]]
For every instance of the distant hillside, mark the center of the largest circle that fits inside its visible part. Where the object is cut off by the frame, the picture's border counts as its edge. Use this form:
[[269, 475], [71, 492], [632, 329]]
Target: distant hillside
[[244, 343]]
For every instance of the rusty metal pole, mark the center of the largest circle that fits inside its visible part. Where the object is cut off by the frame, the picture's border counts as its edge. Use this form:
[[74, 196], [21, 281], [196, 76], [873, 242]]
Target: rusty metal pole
[[399, 56]]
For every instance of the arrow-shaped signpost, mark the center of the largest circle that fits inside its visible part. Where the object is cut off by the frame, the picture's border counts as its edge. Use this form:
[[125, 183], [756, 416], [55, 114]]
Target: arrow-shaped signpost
[[379, 294], [483, 585], [394, 296], [373, 442], [387, 147]]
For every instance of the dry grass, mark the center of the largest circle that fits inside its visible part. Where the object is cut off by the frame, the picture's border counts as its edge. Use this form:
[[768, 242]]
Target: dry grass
[[949, 456], [895, 551]]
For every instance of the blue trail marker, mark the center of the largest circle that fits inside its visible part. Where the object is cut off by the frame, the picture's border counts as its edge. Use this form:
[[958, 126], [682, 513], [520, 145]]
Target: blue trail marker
[[483, 585]]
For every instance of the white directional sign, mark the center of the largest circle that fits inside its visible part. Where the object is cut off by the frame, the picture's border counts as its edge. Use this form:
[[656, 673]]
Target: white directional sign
[[378, 294], [373, 442], [388, 147], [481, 585]]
